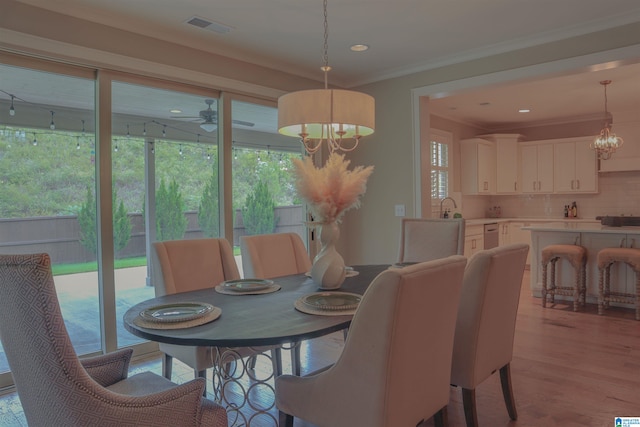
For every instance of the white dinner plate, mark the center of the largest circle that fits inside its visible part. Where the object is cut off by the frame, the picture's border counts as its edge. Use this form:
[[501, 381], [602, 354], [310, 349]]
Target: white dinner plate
[[177, 312], [247, 285]]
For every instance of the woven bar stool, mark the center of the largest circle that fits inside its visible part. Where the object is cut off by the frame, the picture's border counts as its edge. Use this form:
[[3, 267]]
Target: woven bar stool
[[577, 257], [606, 258]]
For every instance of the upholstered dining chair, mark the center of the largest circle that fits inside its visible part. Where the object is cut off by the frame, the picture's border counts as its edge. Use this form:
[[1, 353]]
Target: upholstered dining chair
[[57, 389], [486, 324], [187, 265], [394, 368], [267, 256], [426, 239]]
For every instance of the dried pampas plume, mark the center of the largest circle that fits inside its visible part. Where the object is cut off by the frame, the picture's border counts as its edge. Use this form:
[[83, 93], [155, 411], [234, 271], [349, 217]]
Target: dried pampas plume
[[331, 190]]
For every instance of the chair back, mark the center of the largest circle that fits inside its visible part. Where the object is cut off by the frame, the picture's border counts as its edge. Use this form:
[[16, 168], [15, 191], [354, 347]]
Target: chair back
[[394, 369], [487, 317], [188, 265], [426, 239], [265, 256]]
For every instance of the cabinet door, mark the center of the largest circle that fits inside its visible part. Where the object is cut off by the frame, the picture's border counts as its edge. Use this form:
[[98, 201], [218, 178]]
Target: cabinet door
[[486, 169], [545, 168], [507, 168], [565, 167], [529, 156], [586, 179]]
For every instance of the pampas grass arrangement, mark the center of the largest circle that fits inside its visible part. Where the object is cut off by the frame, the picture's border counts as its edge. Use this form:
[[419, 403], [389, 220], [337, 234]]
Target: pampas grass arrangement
[[332, 190]]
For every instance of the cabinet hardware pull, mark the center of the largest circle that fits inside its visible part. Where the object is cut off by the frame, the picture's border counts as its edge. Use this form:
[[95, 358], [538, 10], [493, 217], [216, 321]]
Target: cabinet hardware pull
[[578, 183], [572, 184], [515, 186]]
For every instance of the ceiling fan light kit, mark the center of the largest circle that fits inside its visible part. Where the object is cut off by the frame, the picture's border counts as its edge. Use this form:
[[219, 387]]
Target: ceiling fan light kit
[[337, 117]]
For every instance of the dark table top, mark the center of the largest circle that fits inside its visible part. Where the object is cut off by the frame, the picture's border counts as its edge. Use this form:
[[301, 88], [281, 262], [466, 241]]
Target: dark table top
[[254, 320]]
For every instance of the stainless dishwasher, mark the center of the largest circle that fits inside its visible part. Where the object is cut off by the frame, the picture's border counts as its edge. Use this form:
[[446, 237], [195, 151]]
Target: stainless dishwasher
[[491, 235]]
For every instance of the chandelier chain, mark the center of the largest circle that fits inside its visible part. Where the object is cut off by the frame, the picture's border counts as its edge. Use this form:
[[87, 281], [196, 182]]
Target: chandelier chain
[[325, 57]]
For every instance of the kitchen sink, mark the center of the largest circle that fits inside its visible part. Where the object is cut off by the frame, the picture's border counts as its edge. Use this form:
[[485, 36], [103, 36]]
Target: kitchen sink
[[619, 221]]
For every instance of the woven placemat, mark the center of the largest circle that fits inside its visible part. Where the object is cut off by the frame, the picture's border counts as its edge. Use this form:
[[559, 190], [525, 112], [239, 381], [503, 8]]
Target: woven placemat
[[272, 288], [301, 306], [209, 317]]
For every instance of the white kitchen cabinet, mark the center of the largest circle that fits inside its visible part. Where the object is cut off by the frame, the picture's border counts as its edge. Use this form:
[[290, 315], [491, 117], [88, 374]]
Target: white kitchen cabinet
[[575, 167], [473, 239], [478, 163], [507, 162], [504, 237], [537, 167]]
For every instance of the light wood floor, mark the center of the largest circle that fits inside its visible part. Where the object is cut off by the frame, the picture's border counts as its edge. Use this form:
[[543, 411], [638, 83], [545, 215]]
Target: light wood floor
[[569, 369]]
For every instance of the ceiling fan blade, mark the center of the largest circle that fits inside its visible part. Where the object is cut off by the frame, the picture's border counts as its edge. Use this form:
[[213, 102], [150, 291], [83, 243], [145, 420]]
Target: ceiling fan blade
[[243, 123]]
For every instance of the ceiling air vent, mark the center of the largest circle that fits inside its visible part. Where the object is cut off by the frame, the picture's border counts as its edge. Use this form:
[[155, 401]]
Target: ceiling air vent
[[216, 27]]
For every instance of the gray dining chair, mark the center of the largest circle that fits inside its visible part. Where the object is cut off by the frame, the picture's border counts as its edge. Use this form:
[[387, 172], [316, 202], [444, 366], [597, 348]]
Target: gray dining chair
[[486, 323], [394, 368], [194, 264], [426, 239], [57, 389]]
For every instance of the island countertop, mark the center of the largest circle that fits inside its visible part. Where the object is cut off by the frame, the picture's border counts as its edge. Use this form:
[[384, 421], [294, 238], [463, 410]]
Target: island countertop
[[582, 227]]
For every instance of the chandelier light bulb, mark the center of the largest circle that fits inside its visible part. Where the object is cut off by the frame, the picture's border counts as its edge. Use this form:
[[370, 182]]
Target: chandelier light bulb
[[606, 143]]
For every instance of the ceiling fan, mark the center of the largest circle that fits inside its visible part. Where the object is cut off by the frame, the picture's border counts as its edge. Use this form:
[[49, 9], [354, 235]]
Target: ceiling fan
[[209, 118]]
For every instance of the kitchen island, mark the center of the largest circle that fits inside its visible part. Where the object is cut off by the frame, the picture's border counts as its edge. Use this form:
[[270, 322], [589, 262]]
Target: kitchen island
[[593, 237]]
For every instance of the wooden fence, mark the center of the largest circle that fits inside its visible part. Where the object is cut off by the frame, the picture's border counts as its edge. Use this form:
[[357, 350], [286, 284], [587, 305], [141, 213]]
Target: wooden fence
[[59, 236]]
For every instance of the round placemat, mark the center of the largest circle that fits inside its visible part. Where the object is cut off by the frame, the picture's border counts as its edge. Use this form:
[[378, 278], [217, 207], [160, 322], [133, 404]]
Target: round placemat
[[301, 306], [272, 288], [209, 317]]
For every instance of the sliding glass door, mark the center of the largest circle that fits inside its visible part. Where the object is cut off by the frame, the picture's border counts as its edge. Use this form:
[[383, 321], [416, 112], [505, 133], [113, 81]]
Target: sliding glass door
[[47, 191]]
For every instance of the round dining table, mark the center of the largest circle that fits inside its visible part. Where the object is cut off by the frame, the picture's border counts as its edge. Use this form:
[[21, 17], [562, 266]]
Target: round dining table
[[250, 320]]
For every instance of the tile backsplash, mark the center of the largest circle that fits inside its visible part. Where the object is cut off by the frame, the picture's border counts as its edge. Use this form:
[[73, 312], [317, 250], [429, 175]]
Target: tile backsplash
[[619, 194]]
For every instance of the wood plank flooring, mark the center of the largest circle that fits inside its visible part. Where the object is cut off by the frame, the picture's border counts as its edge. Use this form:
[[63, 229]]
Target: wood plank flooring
[[569, 369]]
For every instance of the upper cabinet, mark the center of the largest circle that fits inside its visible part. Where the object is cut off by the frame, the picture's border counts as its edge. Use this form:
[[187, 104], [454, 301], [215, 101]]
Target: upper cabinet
[[478, 163], [575, 166], [537, 167], [507, 161]]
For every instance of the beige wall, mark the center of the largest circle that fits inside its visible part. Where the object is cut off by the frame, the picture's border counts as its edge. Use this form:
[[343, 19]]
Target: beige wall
[[370, 234]]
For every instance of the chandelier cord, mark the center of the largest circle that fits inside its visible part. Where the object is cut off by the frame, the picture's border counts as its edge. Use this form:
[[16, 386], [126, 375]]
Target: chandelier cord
[[325, 57]]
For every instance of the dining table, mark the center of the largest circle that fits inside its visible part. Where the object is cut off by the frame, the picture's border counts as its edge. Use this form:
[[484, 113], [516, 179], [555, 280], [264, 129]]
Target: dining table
[[249, 320]]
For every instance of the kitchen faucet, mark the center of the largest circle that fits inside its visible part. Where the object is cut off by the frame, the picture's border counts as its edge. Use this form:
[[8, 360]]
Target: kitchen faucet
[[442, 202]]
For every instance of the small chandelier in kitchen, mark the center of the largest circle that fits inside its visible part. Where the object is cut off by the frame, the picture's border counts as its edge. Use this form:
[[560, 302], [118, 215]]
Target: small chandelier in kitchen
[[607, 142], [337, 117]]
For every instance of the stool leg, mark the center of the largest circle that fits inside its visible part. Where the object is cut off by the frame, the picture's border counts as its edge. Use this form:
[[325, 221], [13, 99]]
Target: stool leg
[[583, 292], [607, 286], [601, 290], [552, 288], [577, 287], [544, 285], [637, 295]]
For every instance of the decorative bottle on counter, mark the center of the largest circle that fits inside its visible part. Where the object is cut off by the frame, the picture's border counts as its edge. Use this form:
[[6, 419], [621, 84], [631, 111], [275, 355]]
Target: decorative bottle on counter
[[574, 210], [566, 211]]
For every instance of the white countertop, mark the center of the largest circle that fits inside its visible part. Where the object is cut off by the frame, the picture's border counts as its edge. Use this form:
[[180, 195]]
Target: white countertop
[[482, 221], [581, 227]]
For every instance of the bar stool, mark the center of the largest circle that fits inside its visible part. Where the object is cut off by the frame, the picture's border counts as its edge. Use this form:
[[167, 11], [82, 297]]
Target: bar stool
[[577, 257], [606, 258]]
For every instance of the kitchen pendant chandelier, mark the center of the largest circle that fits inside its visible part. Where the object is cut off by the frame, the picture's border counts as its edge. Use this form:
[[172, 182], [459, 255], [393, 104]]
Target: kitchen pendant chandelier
[[334, 116], [607, 142]]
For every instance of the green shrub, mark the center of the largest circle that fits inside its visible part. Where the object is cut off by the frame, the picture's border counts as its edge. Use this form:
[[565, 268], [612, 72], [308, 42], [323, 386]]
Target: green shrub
[[258, 212], [209, 209], [171, 223]]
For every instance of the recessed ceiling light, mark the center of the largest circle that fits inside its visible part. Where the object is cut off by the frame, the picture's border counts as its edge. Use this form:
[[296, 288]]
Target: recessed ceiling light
[[176, 111], [524, 110], [359, 47]]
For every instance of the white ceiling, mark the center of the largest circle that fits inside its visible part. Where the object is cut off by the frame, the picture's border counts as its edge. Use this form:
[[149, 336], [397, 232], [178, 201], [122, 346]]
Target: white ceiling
[[404, 36]]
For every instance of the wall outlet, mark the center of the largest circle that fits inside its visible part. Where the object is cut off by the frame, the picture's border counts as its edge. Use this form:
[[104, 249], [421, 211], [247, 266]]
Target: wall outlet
[[399, 210]]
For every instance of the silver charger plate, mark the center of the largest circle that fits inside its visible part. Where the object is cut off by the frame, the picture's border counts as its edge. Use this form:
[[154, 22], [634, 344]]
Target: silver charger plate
[[247, 285], [333, 301], [177, 312]]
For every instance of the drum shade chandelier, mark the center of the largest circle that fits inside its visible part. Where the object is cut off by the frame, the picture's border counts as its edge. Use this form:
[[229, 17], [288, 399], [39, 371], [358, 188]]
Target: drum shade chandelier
[[338, 117], [606, 143]]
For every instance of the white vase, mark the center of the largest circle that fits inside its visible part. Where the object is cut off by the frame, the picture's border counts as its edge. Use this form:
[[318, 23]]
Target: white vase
[[328, 270]]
